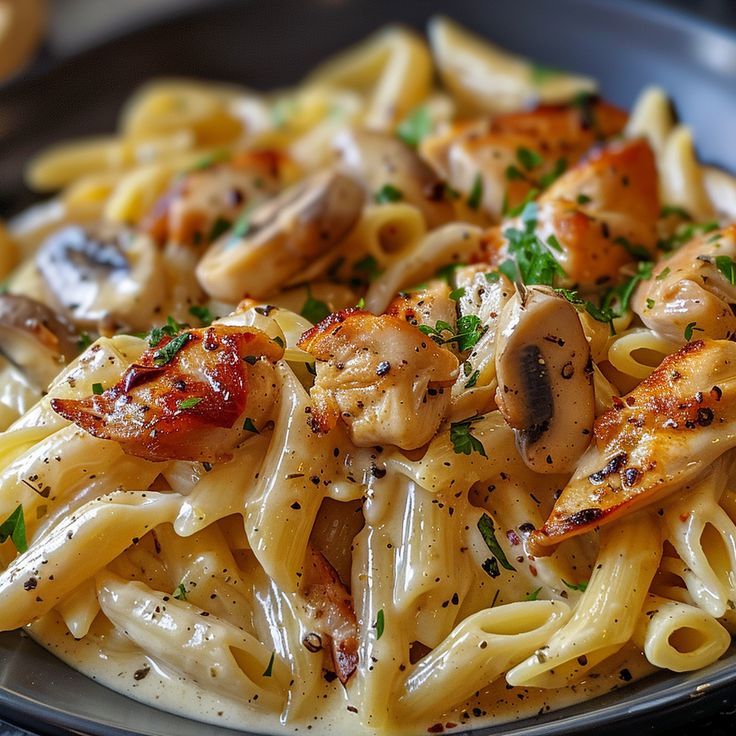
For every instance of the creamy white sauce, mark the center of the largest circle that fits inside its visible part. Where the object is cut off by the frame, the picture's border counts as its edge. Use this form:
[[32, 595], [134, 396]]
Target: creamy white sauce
[[121, 667]]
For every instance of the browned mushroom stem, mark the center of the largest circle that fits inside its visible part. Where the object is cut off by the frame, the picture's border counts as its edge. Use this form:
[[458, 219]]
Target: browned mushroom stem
[[35, 338], [281, 238], [545, 379]]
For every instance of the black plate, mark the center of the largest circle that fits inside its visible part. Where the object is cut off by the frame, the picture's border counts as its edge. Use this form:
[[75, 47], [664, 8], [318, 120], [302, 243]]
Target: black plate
[[624, 44]]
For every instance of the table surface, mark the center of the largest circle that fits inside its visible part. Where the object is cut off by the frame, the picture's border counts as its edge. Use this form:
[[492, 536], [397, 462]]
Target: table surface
[[80, 24]]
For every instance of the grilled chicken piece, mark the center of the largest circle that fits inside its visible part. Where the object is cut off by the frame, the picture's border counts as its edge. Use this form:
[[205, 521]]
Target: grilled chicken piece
[[187, 397], [695, 285], [536, 143], [603, 214], [381, 375], [209, 199], [652, 442], [331, 607], [424, 306]]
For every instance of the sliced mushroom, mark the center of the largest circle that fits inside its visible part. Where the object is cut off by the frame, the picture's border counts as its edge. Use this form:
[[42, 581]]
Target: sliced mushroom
[[284, 235], [378, 160], [97, 276], [34, 338], [545, 379]]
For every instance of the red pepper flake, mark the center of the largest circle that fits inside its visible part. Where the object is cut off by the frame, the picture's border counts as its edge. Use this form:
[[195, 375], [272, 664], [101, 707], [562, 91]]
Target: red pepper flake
[[437, 728]]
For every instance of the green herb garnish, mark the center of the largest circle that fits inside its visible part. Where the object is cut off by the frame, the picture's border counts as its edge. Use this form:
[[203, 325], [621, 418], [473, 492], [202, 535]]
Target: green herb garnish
[[249, 426], [727, 267], [202, 313], [313, 309], [476, 193], [167, 353], [190, 402], [415, 127], [488, 532], [15, 528], [388, 193], [463, 441], [379, 625], [180, 593], [269, 669], [690, 328], [582, 587]]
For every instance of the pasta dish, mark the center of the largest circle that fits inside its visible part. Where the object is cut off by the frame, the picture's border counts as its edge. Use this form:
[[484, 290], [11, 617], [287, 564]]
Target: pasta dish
[[393, 403]]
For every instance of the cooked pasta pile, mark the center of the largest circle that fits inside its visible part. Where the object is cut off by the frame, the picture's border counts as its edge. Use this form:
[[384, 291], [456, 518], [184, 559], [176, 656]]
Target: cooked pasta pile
[[370, 397]]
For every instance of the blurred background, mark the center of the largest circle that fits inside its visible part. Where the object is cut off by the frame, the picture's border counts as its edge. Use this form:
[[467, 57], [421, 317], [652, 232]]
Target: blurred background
[[36, 33]]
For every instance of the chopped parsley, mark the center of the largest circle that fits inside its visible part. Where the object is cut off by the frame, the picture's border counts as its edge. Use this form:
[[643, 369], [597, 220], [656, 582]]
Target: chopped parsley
[[663, 274], [633, 249], [488, 532], [269, 669], [476, 193], [368, 266], [690, 328], [180, 593], [202, 313], [472, 380], [379, 625], [84, 340], [534, 594], [168, 330], [458, 293], [14, 527], [190, 403], [219, 227], [97, 389], [650, 303], [415, 127], [684, 233], [249, 426], [532, 256], [167, 353], [210, 159], [669, 210], [388, 193], [313, 309], [583, 199], [727, 267], [529, 158], [582, 587], [242, 225], [463, 442], [559, 168], [469, 330], [361, 303]]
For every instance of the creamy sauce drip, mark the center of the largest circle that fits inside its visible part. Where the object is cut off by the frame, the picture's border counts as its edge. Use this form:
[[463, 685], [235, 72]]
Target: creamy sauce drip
[[120, 665]]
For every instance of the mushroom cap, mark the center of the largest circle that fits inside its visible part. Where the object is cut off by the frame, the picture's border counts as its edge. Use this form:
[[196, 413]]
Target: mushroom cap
[[96, 274], [378, 160], [285, 234], [545, 379], [35, 338]]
